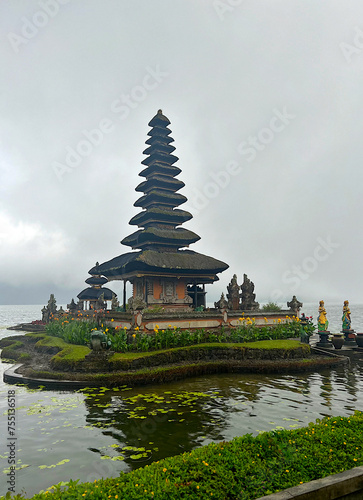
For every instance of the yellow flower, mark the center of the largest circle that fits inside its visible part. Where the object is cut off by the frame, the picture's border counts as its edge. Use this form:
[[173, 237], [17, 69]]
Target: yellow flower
[[112, 320], [164, 470], [137, 328], [134, 335], [169, 326], [125, 327], [157, 327], [106, 330], [279, 320]]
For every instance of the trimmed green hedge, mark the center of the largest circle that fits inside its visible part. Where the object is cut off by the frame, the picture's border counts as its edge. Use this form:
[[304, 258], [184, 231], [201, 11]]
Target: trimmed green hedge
[[69, 357], [275, 349], [245, 468]]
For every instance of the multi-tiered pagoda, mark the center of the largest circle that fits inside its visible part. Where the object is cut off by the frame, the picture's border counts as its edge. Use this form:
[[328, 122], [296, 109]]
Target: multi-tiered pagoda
[[162, 272], [90, 297]]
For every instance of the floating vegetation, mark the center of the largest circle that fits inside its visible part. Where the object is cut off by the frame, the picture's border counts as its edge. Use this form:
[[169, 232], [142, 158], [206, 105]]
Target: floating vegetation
[[62, 462]]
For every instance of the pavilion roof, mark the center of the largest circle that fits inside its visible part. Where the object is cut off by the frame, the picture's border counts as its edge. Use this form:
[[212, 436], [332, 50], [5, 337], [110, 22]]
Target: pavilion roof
[[180, 262]]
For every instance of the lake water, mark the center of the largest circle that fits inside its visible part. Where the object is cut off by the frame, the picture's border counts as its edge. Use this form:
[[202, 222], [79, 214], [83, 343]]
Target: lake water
[[97, 433]]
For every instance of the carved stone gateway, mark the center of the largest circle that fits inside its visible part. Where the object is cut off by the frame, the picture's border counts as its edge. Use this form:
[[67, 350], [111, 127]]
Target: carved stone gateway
[[248, 296]]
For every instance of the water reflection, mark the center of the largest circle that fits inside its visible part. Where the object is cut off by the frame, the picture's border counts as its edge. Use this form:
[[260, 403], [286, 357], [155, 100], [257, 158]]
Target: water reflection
[[195, 412], [102, 432], [158, 423]]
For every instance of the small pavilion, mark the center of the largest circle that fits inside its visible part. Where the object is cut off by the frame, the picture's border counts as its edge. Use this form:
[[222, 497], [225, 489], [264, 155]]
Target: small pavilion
[[162, 270], [91, 297]]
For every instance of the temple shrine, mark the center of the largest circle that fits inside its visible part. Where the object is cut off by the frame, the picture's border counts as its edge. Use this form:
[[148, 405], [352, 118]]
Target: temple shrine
[[163, 272], [94, 297]]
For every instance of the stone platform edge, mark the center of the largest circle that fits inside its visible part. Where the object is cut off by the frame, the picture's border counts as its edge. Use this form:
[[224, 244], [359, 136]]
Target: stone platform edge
[[11, 377], [347, 485]]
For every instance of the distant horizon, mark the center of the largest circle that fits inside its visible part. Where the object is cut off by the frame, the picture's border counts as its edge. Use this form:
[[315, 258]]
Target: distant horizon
[[211, 304]]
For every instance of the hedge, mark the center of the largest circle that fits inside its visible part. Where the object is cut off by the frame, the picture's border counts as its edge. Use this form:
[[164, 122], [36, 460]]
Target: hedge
[[245, 468]]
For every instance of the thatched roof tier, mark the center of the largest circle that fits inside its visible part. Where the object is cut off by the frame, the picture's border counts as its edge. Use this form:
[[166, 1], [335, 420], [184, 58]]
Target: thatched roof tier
[[160, 181], [181, 263], [157, 197], [160, 168], [159, 121], [96, 280], [158, 147], [157, 156], [95, 293], [160, 215], [156, 236], [155, 138]]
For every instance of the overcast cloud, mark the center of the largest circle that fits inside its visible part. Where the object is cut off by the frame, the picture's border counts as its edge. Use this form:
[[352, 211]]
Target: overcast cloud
[[265, 103]]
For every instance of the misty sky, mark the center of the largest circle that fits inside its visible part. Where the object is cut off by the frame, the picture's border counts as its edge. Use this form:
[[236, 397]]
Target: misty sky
[[265, 103]]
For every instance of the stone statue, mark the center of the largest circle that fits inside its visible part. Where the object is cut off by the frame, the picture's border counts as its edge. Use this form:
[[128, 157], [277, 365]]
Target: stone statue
[[45, 314], [323, 323], [52, 304], [294, 305], [99, 341], [114, 302], [233, 294], [222, 303], [136, 303], [50, 309], [346, 316], [304, 321], [248, 296], [100, 302]]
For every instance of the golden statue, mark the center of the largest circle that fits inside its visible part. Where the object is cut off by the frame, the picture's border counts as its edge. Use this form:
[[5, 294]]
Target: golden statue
[[323, 323], [346, 316]]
